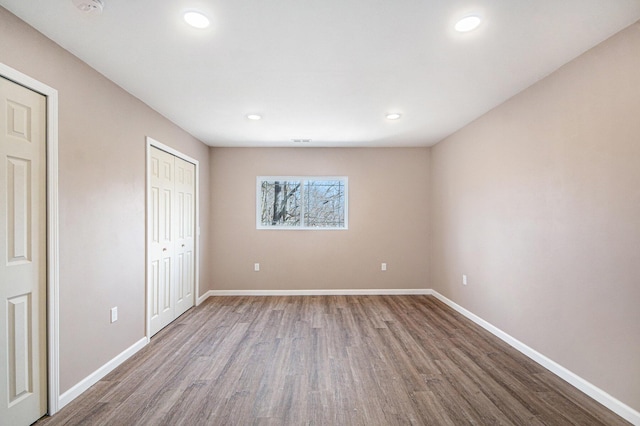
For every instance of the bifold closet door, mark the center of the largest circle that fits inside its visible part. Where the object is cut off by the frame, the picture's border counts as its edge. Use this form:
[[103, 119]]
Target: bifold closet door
[[185, 235], [161, 267], [23, 263], [171, 242]]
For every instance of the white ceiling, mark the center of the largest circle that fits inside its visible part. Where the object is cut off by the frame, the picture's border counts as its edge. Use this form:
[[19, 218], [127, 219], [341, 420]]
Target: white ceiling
[[326, 70]]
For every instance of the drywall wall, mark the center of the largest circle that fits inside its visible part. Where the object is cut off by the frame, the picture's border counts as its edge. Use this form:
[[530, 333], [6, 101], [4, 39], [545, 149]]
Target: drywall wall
[[538, 202], [388, 221], [102, 133]]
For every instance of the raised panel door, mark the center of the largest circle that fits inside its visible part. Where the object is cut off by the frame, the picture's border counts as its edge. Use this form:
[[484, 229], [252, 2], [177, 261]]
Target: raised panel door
[[162, 268], [185, 238], [23, 384]]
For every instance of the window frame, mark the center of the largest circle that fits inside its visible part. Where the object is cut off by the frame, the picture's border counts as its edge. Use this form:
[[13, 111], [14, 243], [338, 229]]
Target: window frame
[[302, 180]]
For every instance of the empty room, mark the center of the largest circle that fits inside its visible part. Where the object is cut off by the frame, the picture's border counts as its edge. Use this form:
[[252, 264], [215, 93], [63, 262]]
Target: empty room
[[299, 212]]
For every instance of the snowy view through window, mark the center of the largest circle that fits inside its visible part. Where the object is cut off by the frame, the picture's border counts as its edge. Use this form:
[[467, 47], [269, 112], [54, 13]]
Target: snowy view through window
[[302, 203]]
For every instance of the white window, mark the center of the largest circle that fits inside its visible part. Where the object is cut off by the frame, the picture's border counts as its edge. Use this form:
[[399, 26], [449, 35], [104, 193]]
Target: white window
[[294, 202]]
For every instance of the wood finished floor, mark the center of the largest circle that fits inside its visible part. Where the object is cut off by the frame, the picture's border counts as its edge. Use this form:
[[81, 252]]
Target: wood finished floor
[[329, 360]]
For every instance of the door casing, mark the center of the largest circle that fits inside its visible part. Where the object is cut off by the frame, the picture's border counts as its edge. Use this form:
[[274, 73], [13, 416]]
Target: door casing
[[53, 231]]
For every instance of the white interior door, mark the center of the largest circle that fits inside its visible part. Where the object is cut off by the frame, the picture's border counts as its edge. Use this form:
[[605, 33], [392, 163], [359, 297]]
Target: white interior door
[[171, 245], [23, 384], [185, 239], [161, 244]]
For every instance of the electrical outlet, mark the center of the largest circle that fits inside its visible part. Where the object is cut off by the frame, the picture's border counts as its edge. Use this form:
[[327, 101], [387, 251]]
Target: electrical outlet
[[114, 314], [383, 266], [256, 267], [464, 279]]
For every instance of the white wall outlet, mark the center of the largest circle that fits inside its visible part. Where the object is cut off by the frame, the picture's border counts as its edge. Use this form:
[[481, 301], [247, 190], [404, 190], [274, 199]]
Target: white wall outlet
[[256, 267], [114, 314], [464, 279], [383, 266]]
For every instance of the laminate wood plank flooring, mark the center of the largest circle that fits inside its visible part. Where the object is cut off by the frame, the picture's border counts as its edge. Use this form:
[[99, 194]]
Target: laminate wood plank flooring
[[329, 360]]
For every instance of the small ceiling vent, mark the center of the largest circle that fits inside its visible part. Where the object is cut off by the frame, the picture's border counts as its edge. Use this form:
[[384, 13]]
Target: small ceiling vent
[[90, 6]]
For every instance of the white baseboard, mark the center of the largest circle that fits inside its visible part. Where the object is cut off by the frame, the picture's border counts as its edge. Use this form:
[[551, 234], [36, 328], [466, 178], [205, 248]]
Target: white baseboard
[[94, 377], [204, 297], [576, 381], [321, 292]]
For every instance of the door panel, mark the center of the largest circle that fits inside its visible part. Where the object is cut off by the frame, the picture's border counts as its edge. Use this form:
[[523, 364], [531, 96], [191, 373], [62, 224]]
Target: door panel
[[19, 348], [18, 211], [154, 284], [22, 254]]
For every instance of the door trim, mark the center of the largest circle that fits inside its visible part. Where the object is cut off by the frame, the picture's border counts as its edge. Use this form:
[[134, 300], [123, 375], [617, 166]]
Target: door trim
[[154, 143], [53, 231]]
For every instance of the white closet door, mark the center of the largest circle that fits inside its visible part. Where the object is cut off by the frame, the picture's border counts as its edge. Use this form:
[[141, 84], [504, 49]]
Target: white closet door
[[161, 241], [185, 238], [23, 383], [171, 269]]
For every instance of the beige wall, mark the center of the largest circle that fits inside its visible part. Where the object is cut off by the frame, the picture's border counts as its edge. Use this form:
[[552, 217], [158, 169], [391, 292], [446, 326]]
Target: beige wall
[[538, 202], [388, 221], [102, 133]]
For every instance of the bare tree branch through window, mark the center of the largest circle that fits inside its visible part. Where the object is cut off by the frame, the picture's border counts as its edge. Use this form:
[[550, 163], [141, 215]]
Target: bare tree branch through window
[[302, 203]]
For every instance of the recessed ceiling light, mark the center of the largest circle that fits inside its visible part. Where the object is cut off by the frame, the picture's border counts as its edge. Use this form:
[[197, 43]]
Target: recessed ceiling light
[[254, 116], [393, 116], [196, 19], [468, 23]]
